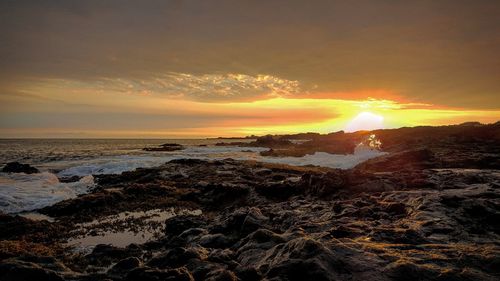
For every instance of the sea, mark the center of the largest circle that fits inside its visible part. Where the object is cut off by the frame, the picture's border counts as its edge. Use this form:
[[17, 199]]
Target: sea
[[59, 158]]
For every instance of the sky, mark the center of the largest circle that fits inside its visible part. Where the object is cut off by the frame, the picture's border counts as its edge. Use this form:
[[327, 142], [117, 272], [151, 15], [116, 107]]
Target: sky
[[189, 69]]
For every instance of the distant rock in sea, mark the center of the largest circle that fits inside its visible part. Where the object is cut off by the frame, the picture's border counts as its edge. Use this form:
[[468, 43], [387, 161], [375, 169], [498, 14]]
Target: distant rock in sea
[[165, 147]]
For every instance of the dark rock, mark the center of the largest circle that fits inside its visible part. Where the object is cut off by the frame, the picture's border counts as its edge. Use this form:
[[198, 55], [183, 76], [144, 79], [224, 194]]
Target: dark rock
[[301, 259], [121, 268], [176, 257], [242, 222], [149, 274], [215, 241], [85, 203], [415, 159], [178, 224], [14, 270], [395, 208], [69, 179], [279, 191], [165, 147], [16, 167], [221, 275], [219, 195], [15, 227], [248, 274], [324, 184], [270, 141], [104, 255]]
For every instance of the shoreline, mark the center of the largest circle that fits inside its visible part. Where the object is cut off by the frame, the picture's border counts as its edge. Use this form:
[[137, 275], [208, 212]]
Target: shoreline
[[419, 210]]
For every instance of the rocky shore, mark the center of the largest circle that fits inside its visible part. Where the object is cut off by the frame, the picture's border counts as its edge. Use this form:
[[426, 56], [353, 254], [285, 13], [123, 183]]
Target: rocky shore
[[428, 210]]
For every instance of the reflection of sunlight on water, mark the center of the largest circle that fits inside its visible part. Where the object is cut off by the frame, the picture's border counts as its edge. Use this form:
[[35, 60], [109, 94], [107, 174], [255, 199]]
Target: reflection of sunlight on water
[[125, 228]]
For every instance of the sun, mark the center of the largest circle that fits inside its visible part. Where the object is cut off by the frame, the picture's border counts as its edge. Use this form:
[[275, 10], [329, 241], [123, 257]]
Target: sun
[[365, 121]]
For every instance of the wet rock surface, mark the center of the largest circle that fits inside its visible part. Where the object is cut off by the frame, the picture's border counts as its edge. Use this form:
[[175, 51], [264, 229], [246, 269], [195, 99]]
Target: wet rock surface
[[419, 213]]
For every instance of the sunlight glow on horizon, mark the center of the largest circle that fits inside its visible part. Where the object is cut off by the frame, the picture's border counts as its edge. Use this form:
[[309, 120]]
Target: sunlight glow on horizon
[[60, 108], [365, 121], [237, 119]]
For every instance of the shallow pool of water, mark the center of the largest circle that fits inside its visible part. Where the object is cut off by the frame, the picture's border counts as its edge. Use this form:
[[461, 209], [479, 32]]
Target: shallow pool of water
[[125, 228]]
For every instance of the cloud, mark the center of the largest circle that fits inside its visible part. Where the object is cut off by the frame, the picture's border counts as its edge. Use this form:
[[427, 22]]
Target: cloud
[[232, 87], [449, 58]]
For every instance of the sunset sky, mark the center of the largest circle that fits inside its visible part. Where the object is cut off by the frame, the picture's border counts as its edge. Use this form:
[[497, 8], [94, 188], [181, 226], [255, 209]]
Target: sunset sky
[[186, 69]]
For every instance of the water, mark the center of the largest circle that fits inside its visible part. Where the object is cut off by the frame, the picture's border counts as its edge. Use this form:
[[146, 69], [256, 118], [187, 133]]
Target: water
[[125, 228], [57, 158]]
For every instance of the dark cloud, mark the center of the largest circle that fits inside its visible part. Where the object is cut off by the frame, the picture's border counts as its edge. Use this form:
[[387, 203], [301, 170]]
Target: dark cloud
[[441, 52]]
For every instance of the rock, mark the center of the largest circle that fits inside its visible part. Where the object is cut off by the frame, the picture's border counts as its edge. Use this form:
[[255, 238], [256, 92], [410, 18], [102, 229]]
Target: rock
[[403, 220], [104, 255], [221, 194], [70, 179], [165, 147], [394, 208], [248, 274], [14, 227], [85, 203], [243, 221], [16, 167], [149, 274], [218, 240], [178, 224], [221, 275], [176, 257], [271, 142], [414, 159], [300, 259], [279, 191], [324, 184], [121, 268], [14, 270]]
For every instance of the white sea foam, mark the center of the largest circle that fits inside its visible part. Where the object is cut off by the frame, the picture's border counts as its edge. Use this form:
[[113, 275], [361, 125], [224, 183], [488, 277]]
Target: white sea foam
[[25, 192], [119, 164], [324, 159], [112, 165]]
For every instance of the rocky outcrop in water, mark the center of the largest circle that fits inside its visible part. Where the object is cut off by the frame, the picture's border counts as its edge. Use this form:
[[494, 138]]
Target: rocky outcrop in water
[[16, 167], [165, 147]]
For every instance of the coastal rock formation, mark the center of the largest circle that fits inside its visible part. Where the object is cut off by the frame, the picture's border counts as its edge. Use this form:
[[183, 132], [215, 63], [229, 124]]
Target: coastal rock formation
[[418, 213]]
